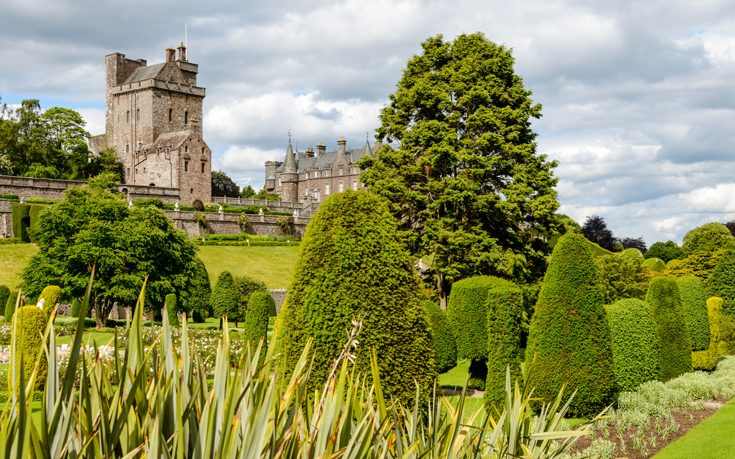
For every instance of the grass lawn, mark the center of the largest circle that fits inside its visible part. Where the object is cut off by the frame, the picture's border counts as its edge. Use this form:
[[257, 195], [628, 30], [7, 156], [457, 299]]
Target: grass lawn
[[13, 258], [712, 438], [90, 337], [272, 265]]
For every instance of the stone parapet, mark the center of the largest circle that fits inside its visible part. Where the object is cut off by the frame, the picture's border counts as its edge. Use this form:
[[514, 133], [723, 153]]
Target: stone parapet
[[158, 84], [262, 225]]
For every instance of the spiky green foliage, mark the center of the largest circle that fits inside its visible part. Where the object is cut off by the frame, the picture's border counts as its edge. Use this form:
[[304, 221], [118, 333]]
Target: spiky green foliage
[[722, 282], [467, 310], [29, 324], [75, 305], [569, 336], [504, 317], [172, 309], [694, 300], [51, 295], [654, 264], [707, 359], [255, 321], [710, 237], [668, 312], [225, 298], [352, 265], [4, 295], [635, 343], [10, 305], [445, 345]]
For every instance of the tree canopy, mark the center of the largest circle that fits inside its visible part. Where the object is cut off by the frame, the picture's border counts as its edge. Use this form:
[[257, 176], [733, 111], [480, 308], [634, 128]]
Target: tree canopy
[[222, 185], [460, 167], [666, 251], [93, 225], [710, 237]]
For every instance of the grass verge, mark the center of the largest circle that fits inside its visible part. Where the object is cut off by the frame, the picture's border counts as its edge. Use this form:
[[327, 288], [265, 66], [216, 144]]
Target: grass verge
[[13, 258], [713, 437]]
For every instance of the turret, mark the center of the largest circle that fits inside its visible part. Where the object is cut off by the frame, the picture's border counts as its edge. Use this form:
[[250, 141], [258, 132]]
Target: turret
[[289, 177]]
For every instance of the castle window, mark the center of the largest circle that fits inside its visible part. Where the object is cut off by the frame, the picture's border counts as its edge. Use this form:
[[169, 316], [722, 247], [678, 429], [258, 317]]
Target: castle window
[[137, 115], [326, 189], [202, 167], [341, 187], [170, 114], [127, 148], [354, 184], [340, 171], [186, 117], [186, 148], [127, 116], [186, 166], [192, 191], [279, 181], [128, 172], [203, 151]]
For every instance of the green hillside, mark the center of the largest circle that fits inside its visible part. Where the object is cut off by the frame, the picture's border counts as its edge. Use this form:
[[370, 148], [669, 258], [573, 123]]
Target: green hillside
[[272, 265]]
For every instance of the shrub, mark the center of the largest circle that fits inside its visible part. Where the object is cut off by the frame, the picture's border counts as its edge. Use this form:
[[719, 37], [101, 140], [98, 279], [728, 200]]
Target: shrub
[[21, 221], [353, 265], [722, 282], [33, 214], [668, 312], [694, 300], [633, 253], [198, 205], [196, 298], [201, 221], [635, 343], [171, 309], [707, 359], [243, 222], [10, 305], [700, 264], [76, 304], [255, 321], [570, 337], [666, 251], [621, 277], [31, 324], [271, 307], [4, 295], [726, 345], [155, 202], [51, 296], [445, 346], [246, 286], [504, 316], [654, 264], [284, 225], [710, 237], [225, 298]]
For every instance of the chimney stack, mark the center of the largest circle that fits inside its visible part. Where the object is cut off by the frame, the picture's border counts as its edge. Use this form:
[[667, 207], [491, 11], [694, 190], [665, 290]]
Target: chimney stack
[[341, 145], [309, 152], [320, 149], [170, 54], [182, 52]]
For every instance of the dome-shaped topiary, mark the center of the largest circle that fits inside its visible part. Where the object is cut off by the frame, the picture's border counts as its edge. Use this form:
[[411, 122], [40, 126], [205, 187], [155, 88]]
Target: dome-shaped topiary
[[633, 253], [707, 359], [28, 335], [635, 343], [654, 264], [694, 300], [255, 322], [352, 265], [225, 298], [445, 346], [673, 337], [722, 282], [569, 335], [504, 317]]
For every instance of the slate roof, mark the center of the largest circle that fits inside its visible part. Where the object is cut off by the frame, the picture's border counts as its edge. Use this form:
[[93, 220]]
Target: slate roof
[[145, 73], [325, 160]]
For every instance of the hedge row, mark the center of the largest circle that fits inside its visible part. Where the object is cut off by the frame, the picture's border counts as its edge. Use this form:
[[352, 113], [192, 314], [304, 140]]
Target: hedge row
[[445, 345], [24, 219], [251, 244]]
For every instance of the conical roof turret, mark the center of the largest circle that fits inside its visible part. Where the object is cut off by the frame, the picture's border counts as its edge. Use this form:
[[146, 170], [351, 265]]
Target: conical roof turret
[[289, 164]]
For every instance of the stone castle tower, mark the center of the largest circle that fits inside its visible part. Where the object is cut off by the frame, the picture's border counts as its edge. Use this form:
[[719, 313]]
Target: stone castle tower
[[153, 119]]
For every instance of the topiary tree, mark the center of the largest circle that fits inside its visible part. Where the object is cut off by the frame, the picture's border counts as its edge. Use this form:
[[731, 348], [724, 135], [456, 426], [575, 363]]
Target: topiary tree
[[722, 282], [569, 336], [255, 322], [4, 295], [654, 264], [171, 309], [694, 301], [271, 307], [10, 305], [445, 346], [726, 345], [665, 302], [699, 264], [246, 286], [76, 304], [467, 310], [352, 265], [51, 296], [635, 343], [504, 317], [225, 298], [707, 359], [29, 325], [621, 277], [196, 298], [710, 237]]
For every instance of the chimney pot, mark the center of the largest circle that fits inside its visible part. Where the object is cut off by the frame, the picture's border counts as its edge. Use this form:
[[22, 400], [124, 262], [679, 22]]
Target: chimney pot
[[182, 52], [170, 54]]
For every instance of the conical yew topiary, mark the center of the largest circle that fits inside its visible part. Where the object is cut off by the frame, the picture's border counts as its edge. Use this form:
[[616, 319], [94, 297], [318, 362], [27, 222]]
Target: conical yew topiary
[[694, 300], [352, 266], [569, 335], [225, 299], [676, 349], [255, 322]]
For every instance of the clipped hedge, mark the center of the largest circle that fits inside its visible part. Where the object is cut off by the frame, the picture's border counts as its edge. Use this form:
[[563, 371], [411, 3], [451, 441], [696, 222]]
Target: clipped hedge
[[654, 264], [569, 336], [172, 309], [10, 305], [504, 317], [722, 282], [225, 298], [633, 253], [445, 345], [635, 343], [676, 349], [726, 345], [251, 244], [30, 326], [707, 359], [271, 307], [255, 322], [76, 304], [21, 221], [351, 265], [196, 298], [4, 295], [51, 295], [694, 300]]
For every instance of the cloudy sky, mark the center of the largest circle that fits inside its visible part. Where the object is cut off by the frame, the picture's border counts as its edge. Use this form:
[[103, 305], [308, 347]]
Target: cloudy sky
[[638, 97]]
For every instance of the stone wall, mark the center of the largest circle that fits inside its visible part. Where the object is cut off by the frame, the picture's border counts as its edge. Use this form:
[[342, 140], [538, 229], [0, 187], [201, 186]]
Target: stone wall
[[279, 296], [222, 223], [30, 187], [6, 219]]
